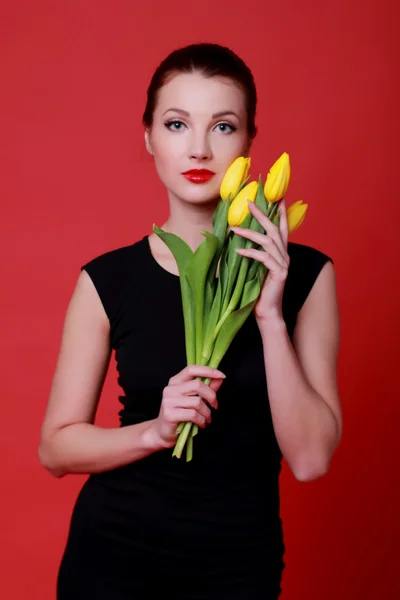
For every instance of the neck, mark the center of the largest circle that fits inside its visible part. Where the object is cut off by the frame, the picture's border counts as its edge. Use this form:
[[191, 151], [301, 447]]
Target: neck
[[186, 221]]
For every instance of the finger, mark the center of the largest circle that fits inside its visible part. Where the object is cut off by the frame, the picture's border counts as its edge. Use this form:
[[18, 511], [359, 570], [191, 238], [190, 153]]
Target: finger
[[191, 371], [195, 402], [283, 222], [197, 387], [271, 247], [276, 270], [215, 384], [189, 415], [269, 227], [267, 242], [262, 218]]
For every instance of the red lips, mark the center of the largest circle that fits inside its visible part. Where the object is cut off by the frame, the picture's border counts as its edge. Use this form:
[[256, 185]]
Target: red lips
[[198, 175]]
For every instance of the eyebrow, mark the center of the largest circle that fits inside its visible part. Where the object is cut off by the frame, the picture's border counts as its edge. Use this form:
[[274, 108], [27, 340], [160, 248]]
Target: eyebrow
[[222, 113]]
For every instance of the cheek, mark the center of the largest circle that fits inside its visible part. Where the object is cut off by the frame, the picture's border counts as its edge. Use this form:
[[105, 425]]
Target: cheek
[[230, 147], [236, 147], [167, 154], [165, 165]]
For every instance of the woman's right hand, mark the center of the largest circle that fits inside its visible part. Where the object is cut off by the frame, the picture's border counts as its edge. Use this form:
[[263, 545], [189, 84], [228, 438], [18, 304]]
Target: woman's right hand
[[187, 399]]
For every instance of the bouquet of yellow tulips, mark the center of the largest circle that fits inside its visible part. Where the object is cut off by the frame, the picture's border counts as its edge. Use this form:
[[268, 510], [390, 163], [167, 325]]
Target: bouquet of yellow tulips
[[215, 308]]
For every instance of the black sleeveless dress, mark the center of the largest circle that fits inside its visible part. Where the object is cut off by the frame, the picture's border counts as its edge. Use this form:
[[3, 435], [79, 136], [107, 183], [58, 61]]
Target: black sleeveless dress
[[161, 527]]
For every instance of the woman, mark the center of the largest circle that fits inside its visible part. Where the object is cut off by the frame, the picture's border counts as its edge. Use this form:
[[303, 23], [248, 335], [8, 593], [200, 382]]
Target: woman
[[145, 523]]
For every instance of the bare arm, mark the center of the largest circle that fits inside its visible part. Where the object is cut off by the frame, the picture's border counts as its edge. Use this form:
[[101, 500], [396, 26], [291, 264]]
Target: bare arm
[[70, 442], [302, 381]]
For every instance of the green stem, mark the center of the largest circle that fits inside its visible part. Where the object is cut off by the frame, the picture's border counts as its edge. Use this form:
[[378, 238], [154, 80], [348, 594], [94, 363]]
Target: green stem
[[187, 431], [181, 441], [273, 211], [199, 309], [235, 298], [189, 448]]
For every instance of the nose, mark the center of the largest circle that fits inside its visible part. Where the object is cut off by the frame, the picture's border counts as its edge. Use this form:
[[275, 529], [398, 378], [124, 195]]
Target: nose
[[200, 147]]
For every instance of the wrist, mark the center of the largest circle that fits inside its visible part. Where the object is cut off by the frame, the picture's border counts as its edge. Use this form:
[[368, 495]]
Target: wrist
[[151, 438], [272, 321]]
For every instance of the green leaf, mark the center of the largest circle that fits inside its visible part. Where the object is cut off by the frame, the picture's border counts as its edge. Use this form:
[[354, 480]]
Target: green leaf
[[249, 291], [183, 255], [233, 262], [179, 248], [262, 273], [212, 320], [196, 272], [260, 197], [215, 213], [254, 265], [220, 224], [242, 185], [208, 299], [256, 226], [275, 220], [189, 320], [233, 323], [262, 205], [223, 268], [273, 210]]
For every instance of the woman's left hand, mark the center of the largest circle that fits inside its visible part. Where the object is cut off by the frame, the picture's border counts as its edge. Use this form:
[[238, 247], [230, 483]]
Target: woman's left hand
[[274, 256]]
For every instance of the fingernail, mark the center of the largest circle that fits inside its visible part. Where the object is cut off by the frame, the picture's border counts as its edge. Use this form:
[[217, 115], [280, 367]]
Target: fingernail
[[221, 373]]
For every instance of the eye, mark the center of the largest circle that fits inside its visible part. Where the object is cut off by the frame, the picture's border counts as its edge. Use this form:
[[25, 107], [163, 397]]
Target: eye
[[173, 122], [231, 128]]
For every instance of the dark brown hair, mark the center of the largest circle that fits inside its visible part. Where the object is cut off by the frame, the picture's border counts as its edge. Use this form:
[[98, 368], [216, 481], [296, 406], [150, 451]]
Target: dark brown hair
[[211, 60]]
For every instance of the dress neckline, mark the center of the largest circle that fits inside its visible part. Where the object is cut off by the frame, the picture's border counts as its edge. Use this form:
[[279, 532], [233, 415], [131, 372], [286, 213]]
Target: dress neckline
[[155, 262]]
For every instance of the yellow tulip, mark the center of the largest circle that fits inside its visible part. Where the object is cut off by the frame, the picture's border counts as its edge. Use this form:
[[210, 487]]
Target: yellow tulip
[[239, 209], [278, 179], [234, 177], [295, 215]]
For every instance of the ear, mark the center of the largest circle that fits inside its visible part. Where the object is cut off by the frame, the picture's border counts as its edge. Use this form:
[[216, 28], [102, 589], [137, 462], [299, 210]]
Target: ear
[[147, 141]]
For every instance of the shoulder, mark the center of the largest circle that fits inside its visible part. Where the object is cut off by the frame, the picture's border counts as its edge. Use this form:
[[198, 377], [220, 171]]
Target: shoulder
[[306, 263], [115, 260], [302, 256], [111, 272]]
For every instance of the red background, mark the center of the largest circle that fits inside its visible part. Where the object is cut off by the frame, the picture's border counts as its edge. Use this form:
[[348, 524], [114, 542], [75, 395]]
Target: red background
[[76, 181]]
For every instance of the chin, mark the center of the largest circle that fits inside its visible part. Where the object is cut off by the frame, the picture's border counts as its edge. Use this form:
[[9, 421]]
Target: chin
[[199, 193]]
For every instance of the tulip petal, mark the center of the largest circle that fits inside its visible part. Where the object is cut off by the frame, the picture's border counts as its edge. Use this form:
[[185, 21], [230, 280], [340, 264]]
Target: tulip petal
[[278, 179], [295, 215], [239, 208], [234, 176]]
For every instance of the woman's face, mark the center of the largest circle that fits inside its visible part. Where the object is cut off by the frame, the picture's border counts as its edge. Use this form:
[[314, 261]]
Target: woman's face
[[198, 123]]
